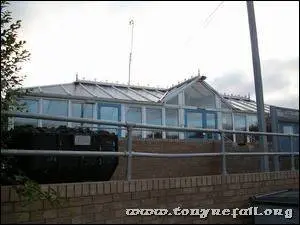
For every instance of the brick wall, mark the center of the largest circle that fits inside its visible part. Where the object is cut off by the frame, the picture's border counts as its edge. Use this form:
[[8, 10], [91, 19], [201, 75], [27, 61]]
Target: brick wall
[[143, 167], [105, 202]]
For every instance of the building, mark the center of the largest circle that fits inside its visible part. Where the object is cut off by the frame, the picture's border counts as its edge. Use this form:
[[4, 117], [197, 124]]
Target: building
[[191, 103]]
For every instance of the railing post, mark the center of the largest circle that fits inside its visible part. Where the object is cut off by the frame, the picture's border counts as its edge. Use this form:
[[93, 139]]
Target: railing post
[[292, 152], [224, 171], [129, 150]]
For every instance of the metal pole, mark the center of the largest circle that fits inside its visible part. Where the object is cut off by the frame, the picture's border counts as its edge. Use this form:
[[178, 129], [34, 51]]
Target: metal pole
[[292, 151], [224, 171], [136, 125], [129, 150], [131, 22], [258, 81], [133, 154]]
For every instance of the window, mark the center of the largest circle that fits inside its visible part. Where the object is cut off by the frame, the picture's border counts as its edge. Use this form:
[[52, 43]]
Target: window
[[134, 115], [199, 96], [194, 119], [153, 117], [172, 120], [30, 106], [240, 125], [55, 108], [227, 124], [82, 110], [109, 112], [253, 126], [211, 124], [173, 101]]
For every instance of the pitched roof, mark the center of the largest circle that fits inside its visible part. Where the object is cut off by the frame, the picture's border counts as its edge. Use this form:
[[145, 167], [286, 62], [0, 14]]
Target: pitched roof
[[132, 93]]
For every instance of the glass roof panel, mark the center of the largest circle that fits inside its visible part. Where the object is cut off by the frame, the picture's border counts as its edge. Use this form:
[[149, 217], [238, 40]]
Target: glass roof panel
[[132, 94], [57, 89], [115, 93], [77, 90], [97, 91]]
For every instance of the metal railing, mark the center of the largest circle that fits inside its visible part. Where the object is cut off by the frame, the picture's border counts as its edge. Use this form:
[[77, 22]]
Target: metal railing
[[129, 153]]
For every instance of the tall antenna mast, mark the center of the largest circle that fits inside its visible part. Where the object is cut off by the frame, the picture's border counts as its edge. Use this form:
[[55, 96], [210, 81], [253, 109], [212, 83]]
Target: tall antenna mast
[[131, 23]]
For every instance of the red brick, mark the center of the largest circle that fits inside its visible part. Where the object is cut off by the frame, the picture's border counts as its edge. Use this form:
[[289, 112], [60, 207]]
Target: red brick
[[132, 186], [113, 187], [50, 214], [100, 188], [138, 185], [15, 218], [85, 189], [122, 196], [229, 193], [155, 184], [36, 216], [14, 196], [120, 187], [81, 201], [7, 207], [140, 195], [70, 190], [144, 185], [206, 189], [62, 190], [131, 204], [65, 220], [234, 186], [78, 190], [77, 220], [98, 208], [182, 183], [34, 206], [150, 185], [88, 209], [5, 194], [69, 212], [188, 182], [93, 189], [102, 198], [148, 202], [172, 183], [194, 181], [126, 186]]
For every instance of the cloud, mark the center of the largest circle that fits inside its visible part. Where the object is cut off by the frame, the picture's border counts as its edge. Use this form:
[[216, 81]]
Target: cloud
[[170, 44], [280, 82]]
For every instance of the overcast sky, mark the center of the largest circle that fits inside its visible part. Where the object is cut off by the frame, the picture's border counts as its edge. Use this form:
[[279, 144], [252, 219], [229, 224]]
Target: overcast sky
[[171, 41]]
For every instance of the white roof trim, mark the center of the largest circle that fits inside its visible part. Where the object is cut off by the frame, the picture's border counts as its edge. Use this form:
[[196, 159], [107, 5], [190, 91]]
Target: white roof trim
[[177, 89], [216, 93]]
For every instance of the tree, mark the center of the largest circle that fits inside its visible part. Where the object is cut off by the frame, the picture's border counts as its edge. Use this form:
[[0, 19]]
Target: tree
[[13, 55]]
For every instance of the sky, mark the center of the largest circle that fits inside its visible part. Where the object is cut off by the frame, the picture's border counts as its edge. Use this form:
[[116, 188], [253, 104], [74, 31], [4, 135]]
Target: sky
[[171, 41]]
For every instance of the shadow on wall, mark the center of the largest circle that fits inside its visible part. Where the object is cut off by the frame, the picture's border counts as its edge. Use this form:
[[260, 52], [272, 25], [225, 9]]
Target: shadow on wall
[[145, 167]]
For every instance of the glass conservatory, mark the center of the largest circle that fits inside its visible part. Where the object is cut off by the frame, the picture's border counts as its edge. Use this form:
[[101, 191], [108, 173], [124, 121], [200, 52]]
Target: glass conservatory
[[192, 103]]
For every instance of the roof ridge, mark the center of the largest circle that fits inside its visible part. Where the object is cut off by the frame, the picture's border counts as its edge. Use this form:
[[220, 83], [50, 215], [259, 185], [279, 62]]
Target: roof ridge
[[120, 85]]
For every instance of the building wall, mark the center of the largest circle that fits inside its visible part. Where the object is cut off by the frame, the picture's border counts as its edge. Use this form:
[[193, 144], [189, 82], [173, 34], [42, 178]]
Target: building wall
[[105, 202], [143, 167]]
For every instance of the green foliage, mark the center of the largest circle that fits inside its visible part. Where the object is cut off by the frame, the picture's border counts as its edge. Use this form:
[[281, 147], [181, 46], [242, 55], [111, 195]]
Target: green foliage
[[13, 55], [31, 191]]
